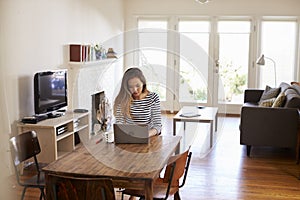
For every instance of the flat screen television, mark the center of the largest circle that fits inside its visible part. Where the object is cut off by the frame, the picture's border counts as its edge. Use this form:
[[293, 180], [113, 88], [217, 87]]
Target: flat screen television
[[50, 92]]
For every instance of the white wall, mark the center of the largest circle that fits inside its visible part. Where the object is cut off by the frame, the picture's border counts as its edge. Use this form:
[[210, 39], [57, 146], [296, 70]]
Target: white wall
[[33, 34]]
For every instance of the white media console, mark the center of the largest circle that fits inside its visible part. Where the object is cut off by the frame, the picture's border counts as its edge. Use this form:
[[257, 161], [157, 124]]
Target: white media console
[[57, 136]]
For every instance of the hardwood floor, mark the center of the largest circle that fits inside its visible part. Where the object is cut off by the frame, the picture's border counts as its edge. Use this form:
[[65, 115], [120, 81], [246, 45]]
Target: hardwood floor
[[225, 172]]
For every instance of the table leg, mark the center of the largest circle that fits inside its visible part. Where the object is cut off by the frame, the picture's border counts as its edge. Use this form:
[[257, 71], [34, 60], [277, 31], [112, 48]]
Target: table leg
[[148, 190], [174, 127], [216, 122], [177, 150], [211, 133]]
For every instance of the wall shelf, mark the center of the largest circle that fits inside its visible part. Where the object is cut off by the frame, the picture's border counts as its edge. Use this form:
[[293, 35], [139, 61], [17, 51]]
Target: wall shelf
[[92, 63]]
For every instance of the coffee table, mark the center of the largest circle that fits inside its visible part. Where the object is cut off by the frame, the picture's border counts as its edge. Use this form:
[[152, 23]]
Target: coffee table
[[206, 115]]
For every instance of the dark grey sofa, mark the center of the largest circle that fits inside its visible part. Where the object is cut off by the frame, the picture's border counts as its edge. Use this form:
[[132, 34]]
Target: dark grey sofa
[[271, 126]]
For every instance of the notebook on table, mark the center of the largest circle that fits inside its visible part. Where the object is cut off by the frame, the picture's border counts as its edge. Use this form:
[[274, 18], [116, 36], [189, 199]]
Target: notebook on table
[[131, 134]]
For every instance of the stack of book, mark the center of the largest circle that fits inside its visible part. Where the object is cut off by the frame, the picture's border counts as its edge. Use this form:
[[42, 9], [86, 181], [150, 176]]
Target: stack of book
[[81, 53]]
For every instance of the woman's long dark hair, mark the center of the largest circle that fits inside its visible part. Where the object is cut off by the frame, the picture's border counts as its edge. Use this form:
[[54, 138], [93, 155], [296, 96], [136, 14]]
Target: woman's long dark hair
[[124, 98]]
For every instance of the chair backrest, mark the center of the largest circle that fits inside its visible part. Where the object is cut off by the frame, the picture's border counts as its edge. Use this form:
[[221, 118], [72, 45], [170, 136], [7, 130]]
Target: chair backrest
[[182, 162], [23, 147], [79, 188]]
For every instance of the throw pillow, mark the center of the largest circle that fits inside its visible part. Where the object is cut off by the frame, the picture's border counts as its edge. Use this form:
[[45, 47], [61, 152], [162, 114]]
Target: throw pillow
[[269, 93], [279, 101], [267, 102]]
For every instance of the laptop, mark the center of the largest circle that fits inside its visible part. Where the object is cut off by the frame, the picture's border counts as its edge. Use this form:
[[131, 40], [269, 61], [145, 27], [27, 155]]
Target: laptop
[[131, 134]]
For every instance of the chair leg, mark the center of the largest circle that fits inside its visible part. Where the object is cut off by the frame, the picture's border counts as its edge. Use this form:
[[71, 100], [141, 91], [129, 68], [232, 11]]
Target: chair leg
[[177, 196], [23, 193], [42, 195]]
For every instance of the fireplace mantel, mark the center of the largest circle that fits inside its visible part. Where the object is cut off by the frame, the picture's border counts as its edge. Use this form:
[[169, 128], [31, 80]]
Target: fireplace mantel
[[91, 63]]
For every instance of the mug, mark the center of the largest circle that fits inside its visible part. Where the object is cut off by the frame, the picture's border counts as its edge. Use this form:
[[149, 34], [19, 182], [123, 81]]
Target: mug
[[108, 136]]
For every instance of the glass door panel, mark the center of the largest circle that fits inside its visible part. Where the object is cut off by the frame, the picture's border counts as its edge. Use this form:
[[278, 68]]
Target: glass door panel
[[152, 55], [234, 38], [279, 44], [194, 61]]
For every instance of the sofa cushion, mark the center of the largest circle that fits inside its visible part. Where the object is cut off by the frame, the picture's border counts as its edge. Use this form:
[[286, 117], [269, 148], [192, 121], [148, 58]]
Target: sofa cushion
[[269, 93], [279, 101], [296, 87], [284, 86], [292, 98], [267, 102]]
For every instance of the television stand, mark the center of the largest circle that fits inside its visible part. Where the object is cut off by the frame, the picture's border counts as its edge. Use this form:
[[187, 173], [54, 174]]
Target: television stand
[[56, 141]]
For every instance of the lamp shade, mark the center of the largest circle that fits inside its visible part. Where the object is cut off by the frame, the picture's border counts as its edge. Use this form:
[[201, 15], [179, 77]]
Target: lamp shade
[[261, 60]]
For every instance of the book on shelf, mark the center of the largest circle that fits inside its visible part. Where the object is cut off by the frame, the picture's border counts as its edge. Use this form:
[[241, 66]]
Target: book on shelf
[[75, 53], [81, 52]]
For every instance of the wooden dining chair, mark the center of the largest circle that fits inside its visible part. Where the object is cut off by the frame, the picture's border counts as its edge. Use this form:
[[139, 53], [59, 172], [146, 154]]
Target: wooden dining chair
[[79, 188], [23, 147], [168, 185]]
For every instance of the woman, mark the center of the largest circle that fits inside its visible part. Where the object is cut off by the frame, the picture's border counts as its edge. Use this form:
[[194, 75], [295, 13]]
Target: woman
[[135, 104]]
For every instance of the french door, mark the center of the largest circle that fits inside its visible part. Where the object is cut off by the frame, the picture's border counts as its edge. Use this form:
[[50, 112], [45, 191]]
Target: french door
[[190, 61], [233, 50]]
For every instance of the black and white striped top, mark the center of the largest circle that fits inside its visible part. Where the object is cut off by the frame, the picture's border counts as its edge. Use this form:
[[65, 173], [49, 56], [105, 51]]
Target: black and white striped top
[[144, 111]]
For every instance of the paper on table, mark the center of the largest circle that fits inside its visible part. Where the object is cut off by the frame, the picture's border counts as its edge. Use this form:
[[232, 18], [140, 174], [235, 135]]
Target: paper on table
[[189, 114], [189, 111]]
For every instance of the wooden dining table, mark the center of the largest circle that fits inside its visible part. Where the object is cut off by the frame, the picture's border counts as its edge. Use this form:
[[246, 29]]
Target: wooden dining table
[[133, 166]]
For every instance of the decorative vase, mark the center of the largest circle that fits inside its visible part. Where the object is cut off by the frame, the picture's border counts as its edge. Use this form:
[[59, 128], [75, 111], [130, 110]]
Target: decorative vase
[[98, 55]]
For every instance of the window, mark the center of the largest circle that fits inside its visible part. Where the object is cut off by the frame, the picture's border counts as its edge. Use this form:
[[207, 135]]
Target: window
[[278, 42]]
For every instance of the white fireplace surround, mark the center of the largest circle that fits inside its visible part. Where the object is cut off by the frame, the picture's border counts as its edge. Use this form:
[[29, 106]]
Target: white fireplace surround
[[88, 78]]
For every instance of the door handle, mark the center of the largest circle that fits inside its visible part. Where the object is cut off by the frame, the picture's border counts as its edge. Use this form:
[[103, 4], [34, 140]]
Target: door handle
[[217, 63]]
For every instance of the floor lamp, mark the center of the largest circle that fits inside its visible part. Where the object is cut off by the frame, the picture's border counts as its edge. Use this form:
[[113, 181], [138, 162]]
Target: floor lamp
[[261, 61]]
